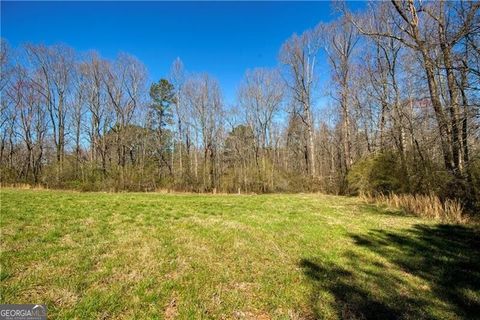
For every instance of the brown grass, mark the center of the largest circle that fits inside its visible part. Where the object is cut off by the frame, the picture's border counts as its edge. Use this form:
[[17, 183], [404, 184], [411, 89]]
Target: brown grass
[[428, 206], [23, 186]]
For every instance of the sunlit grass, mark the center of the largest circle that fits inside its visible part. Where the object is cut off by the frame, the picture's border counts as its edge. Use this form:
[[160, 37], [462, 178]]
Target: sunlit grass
[[100, 255]]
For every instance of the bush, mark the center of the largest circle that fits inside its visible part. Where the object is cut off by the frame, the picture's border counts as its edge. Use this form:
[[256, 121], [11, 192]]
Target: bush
[[381, 173], [473, 185]]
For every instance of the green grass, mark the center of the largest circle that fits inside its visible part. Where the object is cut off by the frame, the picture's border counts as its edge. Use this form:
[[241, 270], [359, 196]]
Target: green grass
[[100, 255]]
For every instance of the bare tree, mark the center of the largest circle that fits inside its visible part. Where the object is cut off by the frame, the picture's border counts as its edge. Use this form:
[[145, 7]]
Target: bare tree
[[261, 95], [206, 107], [92, 71], [339, 40], [124, 82], [299, 54], [177, 78], [55, 65], [423, 30]]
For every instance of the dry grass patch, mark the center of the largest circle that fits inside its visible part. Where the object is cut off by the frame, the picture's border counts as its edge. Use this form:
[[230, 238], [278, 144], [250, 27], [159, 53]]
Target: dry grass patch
[[428, 206]]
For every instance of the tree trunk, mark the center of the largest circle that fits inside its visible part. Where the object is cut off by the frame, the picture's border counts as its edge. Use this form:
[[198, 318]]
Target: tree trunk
[[443, 127], [311, 143]]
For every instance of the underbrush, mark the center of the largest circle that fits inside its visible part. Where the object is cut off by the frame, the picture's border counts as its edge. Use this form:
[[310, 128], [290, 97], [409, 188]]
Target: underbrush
[[427, 206]]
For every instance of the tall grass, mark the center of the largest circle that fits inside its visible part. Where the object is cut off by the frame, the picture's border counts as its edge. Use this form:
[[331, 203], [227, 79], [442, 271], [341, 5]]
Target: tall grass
[[429, 206], [23, 186]]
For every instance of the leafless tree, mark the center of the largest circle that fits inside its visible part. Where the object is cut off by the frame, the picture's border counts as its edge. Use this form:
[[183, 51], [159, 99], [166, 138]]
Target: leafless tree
[[339, 40], [55, 65], [299, 55], [177, 78], [205, 103], [260, 95]]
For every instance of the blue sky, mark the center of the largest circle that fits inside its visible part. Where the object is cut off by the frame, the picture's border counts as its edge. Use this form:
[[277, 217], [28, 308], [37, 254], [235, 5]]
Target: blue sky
[[221, 38]]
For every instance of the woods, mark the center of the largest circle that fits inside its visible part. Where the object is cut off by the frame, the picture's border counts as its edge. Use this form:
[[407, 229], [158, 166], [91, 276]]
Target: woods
[[398, 111]]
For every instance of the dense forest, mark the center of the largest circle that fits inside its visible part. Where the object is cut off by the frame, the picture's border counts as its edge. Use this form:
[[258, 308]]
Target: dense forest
[[399, 113]]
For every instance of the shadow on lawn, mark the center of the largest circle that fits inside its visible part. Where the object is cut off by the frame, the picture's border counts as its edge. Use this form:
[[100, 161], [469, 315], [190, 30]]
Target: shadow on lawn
[[445, 257], [381, 210]]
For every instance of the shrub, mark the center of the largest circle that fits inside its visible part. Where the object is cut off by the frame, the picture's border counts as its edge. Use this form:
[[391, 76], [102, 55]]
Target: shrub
[[377, 174]]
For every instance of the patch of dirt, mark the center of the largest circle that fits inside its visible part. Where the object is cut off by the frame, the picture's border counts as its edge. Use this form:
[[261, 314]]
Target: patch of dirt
[[247, 315], [89, 221], [67, 241], [63, 297], [171, 309]]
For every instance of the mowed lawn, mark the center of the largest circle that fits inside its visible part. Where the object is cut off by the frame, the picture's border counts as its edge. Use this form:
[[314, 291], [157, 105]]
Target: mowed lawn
[[166, 256]]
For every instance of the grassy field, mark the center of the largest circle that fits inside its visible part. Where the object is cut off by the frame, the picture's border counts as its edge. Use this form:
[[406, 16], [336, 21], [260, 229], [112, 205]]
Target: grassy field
[[99, 256]]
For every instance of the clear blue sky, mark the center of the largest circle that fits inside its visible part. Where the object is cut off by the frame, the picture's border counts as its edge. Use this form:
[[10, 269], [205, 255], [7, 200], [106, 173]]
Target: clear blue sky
[[221, 38]]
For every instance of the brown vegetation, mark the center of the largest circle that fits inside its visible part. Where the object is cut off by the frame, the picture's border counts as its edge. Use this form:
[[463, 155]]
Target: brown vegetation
[[428, 206]]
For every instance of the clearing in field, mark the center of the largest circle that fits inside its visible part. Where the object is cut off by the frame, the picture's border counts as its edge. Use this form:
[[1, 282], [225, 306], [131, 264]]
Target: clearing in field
[[119, 256]]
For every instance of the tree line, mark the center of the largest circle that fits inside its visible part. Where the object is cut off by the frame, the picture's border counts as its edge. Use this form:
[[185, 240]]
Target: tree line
[[398, 113]]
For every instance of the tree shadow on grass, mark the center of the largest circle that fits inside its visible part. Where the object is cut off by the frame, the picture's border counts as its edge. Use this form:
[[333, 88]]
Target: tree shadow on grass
[[382, 210], [424, 272]]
